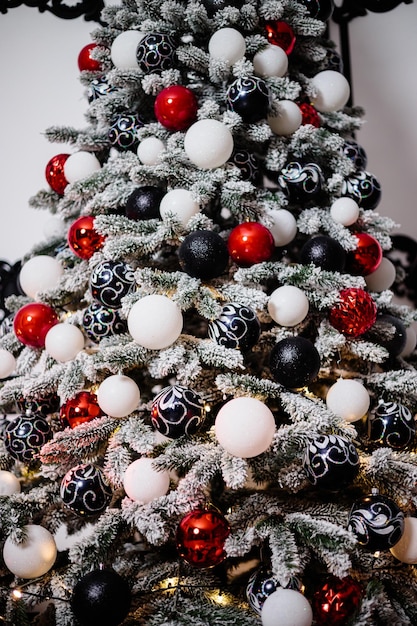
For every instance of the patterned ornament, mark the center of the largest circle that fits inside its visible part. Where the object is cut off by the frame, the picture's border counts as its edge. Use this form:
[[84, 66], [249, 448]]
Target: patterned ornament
[[101, 597], [324, 252], [26, 435], [377, 522], [249, 97], [364, 188], [354, 314], [176, 107], [294, 362], [177, 411], [280, 33], [144, 202], [156, 53], [237, 327], [85, 490], [86, 61], [123, 131], [319, 9], [250, 243], [337, 601], [353, 151], [331, 462], [32, 322], [110, 281], [366, 257], [82, 408], [54, 173], [100, 321], [309, 114], [248, 164], [200, 537], [45, 405], [261, 584], [301, 181], [83, 239], [391, 424], [99, 88], [203, 254]]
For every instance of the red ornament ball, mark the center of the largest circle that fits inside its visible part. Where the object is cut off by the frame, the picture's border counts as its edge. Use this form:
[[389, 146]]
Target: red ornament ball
[[80, 409], [250, 243], [32, 323], [83, 240], [54, 173], [281, 34], [85, 60], [309, 115], [367, 256], [176, 107], [337, 601], [354, 314], [200, 537]]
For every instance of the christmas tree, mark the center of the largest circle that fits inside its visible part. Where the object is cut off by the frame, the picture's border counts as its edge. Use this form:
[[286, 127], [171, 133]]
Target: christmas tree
[[207, 383]]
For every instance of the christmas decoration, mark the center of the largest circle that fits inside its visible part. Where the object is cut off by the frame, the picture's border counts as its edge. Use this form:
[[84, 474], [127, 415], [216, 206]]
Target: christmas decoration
[[200, 537], [40, 273], [249, 97], [86, 60], [101, 321], [383, 277], [45, 405], [64, 341], [271, 61], [354, 314], [156, 52], [288, 305], [261, 584], [82, 408], [344, 211], [180, 203], [32, 323], [286, 607], [123, 131], [9, 483], [54, 173], [80, 165], [356, 153], [149, 150], [391, 424], [309, 115], [331, 462], [101, 597], [249, 243], [377, 522], [123, 49], [155, 322], [228, 45], [332, 91], [143, 203], [118, 395], [410, 343], [280, 33], [364, 188], [203, 254], [319, 9], [294, 362], [391, 333], [83, 239], [100, 88], [367, 256], [336, 601], [7, 363], [25, 436], [248, 165], [282, 225], [301, 181], [325, 252], [405, 550], [348, 399], [208, 144], [85, 490], [110, 281], [236, 327], [32, 557], [287, 118], [143, 482], [177, 411], [176, 107]]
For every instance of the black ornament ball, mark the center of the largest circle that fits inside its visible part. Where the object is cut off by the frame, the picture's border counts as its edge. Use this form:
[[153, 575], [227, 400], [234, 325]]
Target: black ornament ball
[[156, 52], [364, 188], [143, 203], [203, 254], [391, 424], [101, 597], [301, 181], [236, 327], [248, 164], [100, 321], [123, 131], [332, 61], [294, 362], [42, 404], [324, 252], [319, 9], [331, 462], [85, 490], [392, 333], [110, 281], [99, 87], [377, 522], [356, 153], [249, 97], [25, 436], [177, 411], [261, 584]]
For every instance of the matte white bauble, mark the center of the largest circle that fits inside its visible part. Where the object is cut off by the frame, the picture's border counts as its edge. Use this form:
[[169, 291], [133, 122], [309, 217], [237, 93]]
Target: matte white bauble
[[283, 226], [383, 277], [118, 396], [286, 607], [288, 305], [143, 483], [287, 118], [180, 203], [34, 556], [80, 165], [7, 363], [271, 61], [39, 274], [208, 144], [155, 322], [245, 427], [348, 399], [149, 150], [123, 49], [405, 550], [228, 45], [410, 342], [9, 483], [64, 341], [332, 91], [345, 211]]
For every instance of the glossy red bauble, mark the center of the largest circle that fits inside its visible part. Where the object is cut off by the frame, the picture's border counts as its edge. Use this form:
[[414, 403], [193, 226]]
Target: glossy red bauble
[[367, 256], [280, 33], [176, 107], [250, 243], [200, 537], [337, 601], [80, 409], [86, 62], [309, 114], [354, 314], [32, 323], [54, 173], [83, 240]]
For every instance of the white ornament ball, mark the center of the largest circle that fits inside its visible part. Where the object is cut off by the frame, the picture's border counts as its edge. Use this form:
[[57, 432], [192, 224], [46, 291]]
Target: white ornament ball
[[287, 118], [410, 342], [245, 427], [348, 399], [283, 226], [227, 44], [80, 165], [286, 607], [345, 211], [405, 550], [39, 274], [7, 363], [332, 91], [118, 395], [180, 203], [143, 483], [34, 556], [155, 322], [123, 49], [150, 150], [208, 143], [64, 341], [288, 305], [271, 61], [9, 483], [383, 277]]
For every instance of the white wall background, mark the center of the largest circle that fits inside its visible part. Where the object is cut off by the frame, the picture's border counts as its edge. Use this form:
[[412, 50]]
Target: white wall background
[[39, 88]]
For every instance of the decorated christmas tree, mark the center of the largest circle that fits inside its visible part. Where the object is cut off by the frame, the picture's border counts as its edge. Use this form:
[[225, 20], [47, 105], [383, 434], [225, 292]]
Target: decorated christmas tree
[[208, 389]]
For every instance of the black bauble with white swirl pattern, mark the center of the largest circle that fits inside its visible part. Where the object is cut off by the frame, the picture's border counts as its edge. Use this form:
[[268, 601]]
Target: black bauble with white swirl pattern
[[377, 522], [331, 462], [248, 164], [237, 327], [85, 490], [123, 131], [26, 435], [391, 424], [101, 321], [364, 188], [42, 404], [156, 53], [354, 151], [177, 411], [110, 281], [99, 87], [301, 181], [261, 584], [249, 97]]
